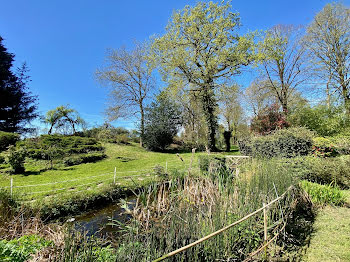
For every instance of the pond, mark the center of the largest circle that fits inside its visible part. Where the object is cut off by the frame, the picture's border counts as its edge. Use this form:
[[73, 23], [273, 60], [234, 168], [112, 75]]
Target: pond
[[104, 221]]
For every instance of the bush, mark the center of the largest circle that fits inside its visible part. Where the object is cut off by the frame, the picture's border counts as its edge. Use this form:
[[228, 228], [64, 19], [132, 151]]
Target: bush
[[245, 146], [16, 159], [7, 139], [86, 158], [322, 170], [323, 194], [323, 147], [19, 250], [288, 143], [69, 149], [341, 144]]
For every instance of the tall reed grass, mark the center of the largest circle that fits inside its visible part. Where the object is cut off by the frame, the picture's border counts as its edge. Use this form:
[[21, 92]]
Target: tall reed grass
[[186, 208]]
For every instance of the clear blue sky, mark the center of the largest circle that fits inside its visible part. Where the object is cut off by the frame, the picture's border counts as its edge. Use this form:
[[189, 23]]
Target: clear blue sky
[[64, 42]]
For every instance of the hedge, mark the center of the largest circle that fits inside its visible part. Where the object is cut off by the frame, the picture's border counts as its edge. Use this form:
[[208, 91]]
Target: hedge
[[288, 143]]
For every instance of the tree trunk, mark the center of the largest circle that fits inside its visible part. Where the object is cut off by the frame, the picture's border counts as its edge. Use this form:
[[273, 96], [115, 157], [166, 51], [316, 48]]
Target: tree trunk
[[50, 130], [209, 104], [346, 99], [142, 126], [227, 136]]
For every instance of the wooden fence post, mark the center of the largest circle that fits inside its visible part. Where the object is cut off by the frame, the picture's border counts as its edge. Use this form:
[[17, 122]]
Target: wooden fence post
[[192, 156], [115, 174], [11, 186], [265, 229]]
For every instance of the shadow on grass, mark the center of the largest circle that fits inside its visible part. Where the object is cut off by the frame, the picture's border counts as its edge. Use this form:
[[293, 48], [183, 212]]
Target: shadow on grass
[[41, 170], [299, 229], [125, 159]]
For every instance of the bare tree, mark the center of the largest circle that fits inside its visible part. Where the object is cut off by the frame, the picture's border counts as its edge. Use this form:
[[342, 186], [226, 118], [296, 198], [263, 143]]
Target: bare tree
[[230, 107], [284, 62], [131, 83], [328, 40], [259, 95]]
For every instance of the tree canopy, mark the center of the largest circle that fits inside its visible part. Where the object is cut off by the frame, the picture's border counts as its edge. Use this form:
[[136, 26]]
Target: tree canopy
[[17, 105], [202, 46]]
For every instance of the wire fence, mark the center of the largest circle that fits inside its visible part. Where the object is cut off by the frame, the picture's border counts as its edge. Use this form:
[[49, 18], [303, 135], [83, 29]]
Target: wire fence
[[72, 185]]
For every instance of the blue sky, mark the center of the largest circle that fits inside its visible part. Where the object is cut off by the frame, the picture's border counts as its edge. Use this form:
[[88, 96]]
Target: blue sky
[[64, 42]]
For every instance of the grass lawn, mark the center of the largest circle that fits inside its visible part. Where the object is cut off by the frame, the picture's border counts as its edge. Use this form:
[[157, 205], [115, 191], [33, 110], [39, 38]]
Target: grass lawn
[[129, 160], [331, 238]]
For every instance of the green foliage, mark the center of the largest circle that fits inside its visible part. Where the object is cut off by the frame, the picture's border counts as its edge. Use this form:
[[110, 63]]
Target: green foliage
[[79, 248], [83, 158], [19, 250], [7, 139], [162, 121], [341, 144], [203, 206], [16, 159], [323, 147], [209, 161], [2, 159], [324, 120], [323, 194], [202, 46], [335, 170], [289, 142], [17, 105], [61, 117], [8, 205], [110, 134], [58, 147]]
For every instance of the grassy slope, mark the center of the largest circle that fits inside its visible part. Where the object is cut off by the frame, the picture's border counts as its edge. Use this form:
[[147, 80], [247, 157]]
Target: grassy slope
[[124, 158], [331, 239]]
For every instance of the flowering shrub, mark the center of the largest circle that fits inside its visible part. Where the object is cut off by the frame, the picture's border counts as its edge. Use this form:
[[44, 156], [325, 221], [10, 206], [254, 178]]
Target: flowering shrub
[[323, 147]]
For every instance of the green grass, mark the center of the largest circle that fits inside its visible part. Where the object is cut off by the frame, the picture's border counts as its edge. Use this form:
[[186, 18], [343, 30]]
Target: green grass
[[331, 238], [323, 194], [125, 158]]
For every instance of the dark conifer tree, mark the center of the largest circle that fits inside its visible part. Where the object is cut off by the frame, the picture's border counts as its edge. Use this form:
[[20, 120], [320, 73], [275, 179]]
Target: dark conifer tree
[[17, 104]]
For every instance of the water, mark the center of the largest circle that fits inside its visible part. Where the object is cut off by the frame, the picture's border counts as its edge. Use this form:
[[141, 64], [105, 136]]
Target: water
[[99, 222]]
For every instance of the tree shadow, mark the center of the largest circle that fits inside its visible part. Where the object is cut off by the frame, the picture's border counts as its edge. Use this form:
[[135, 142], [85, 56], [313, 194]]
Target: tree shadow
[[39, 172]]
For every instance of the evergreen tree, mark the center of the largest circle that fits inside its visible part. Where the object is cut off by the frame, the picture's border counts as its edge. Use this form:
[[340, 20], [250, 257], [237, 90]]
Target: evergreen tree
[[162, 121], [17, 105]]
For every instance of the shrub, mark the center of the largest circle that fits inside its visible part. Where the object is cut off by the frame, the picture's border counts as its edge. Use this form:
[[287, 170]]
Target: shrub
[[16, 159], [268, 120], [323, 194], [341, 144], [289, 142], [84, 158], [7, 139], [322, 170], [2, 159], [323, 147], [122, 139], [69, 149], [19, 250], [245, 146]]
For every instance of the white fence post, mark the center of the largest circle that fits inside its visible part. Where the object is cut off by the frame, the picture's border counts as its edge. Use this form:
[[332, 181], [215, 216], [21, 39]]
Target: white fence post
[[11, 185], [265, 229], [115, 174]]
